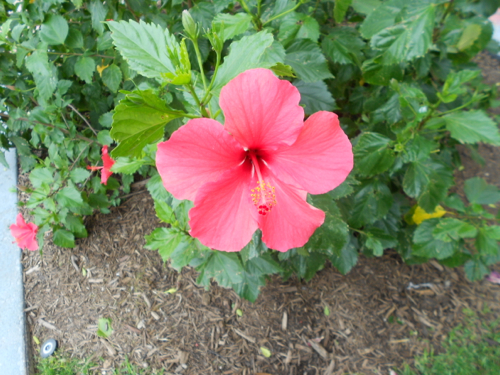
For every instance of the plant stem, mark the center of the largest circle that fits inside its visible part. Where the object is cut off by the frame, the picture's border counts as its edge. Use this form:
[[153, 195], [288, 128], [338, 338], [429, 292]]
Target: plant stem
[[198, 56], [83, 118], [462, 106], [208, 96], [197, 100], [282, 14]]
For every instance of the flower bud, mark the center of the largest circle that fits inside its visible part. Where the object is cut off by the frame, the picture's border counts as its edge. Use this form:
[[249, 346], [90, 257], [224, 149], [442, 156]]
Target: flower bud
[[190, 27]]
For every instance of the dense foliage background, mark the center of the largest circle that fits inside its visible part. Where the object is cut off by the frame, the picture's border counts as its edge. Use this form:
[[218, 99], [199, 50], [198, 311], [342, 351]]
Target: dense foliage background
[[77, 75]]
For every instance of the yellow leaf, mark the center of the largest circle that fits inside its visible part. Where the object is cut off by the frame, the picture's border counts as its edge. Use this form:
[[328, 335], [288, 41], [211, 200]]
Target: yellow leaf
[[265, 351], [35, 339], [171, 291], [32, 1], [420, 215], [100, 68]]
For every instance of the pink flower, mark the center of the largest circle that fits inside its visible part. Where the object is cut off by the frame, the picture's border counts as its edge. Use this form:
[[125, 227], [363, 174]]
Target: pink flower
[[24, 233], [494, 277], [106, 168], [255, 171]]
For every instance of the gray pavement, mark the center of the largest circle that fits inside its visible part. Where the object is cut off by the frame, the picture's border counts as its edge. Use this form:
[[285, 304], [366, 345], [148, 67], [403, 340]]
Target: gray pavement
[[14, 358]]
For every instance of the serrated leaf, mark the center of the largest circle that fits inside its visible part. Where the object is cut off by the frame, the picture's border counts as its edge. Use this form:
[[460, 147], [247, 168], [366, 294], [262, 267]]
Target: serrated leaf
[[333, 235], [343, 46], [472, 127], [54, 30], [165, 212], [74, 38], [345, 259], [233, 24], [426, 245], [307, 60], [455, 82], [41, 176], [224, 267], [64, 238], [75, 224], [451, 229], [84, 68], [408, 40], [372, 201], [479, 191], [379, 239], [139, 120], [380, 18], [372, 154], [340, 9], [365, 6], [112, 77], [283, 70], [314, 96], [98, 15], [487, 244], [344, 189], [298, 26], [104, 328], [475, 269], [166, 241], [126, 165], [254, 248], [38, 65], [470, 34], [145, 47], [377, 73], [69, 197], [78, 175], [157, 190], [247, 53]]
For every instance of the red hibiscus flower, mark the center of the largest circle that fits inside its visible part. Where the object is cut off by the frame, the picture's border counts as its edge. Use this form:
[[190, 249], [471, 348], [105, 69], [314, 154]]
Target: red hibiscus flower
[[24, 233], [255, 171], [106, 168]]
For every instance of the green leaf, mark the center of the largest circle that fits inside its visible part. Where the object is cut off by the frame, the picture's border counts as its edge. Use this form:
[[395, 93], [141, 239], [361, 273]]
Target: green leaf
[[265, 351], [298, 26], [340, 9], [165, 212], [378, 240], [372, 154], [104, 327], [98, 15], [417, 149], [479, 191], [382, 17], [344, 189], [283, 70], [472, 127], [470, 34], [78, 175], [75, 225], [408, 40], [314, 96], [365, 6], [375, 245], [487, 244], [145, 47], [112, 77], [475, 269], [306, 59], [426, 245], [104, 41], [224, 267], [451, 229], [43, 73], [3, 160], [166, 241], [376, 73], [64, 238], [254, 248], [54, 30], [84, 68], [343, 46], [371, 202], [41, 176], [74, 38], [233, 24], [69, 197], [345, 259], [333, 235], [247, 53], [455, 82], [127, 166], [139, 120], [157, 190]]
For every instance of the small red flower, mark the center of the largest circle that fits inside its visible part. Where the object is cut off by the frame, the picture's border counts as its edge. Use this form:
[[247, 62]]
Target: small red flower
[[24, 233], [106, 168], [256, 170]]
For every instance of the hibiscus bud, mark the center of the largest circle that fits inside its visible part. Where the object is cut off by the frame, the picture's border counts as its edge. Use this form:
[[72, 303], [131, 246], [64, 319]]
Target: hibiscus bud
[[190, 27], [216, 36]]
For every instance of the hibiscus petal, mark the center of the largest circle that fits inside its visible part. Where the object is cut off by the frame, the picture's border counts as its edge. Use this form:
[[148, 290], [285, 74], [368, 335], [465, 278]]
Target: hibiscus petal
[[223, 215], [292, 220], [261, 111], [319, 160], [24, 233], [195, 154], [106, 159]]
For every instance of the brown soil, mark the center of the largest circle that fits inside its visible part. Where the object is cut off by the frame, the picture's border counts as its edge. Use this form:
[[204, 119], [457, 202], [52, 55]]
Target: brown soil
[[365, 322]]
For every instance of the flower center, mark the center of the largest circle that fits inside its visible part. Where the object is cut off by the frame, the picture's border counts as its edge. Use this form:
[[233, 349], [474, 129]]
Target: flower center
[[263, 195]]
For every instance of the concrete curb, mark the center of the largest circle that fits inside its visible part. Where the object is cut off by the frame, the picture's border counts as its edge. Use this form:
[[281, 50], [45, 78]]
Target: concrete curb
[[14, 356]]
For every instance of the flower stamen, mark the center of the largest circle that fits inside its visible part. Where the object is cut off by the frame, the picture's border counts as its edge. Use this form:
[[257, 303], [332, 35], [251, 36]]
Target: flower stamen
[[263, 195]]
